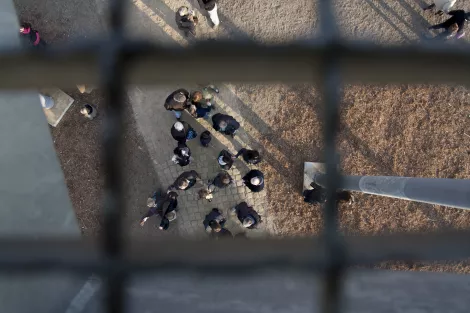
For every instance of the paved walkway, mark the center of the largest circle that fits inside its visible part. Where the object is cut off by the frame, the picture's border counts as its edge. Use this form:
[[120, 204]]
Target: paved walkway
[[155, 122]]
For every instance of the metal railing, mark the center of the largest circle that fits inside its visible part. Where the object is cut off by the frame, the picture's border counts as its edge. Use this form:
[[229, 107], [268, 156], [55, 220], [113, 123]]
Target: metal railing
[[328, 60]]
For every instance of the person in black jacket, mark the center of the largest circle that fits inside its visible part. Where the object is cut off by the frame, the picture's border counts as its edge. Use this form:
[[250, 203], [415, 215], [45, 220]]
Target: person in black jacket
[[182, 155], [30, 37], [317, 195], [247, 215], [177, 102], [182, 131], [185, 181], [222, 180], [214, 221], [225, 160], [254, 180], [198, 107], [211, 8], [249, 156], [186, 21], [225, 124], [458, 17], [164, 208]]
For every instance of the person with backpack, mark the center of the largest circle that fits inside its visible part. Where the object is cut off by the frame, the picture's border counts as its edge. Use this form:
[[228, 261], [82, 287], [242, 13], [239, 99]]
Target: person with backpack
[[182, 131], [177, 102], [182, 155], [30, 37], [459, 17], [165, 208], [205, 138], [249, 156], [247, 216], [225, 124], [254, 180], [225, 160], [185, 181], [186, 20]]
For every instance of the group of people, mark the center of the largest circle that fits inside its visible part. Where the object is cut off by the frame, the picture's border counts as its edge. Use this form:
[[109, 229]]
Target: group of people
[[456, 21], [187, 20], [199, 104]]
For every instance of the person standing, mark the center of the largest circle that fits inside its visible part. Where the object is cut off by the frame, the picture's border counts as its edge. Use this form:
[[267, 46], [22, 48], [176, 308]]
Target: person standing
[[441, 6], [246, 215], [225, 160], [254, 180], [459, 17], [177, 102], [89, 111], [317, 195], [30, 37], [222, 180], [211, 8], [182, 155], [198, 109], [185, 181], [249, 156], [214, 221], [225, 124], [186, 20], [182, 131]]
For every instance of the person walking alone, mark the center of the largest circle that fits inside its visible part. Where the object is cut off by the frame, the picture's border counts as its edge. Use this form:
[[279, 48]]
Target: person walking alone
[[459, 17], [211, 8], [30, 37], [441, 6]]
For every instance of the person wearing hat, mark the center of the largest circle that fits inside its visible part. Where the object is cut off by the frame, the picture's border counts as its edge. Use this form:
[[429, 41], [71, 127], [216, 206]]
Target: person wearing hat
[[165, 208], [214, 221], [246, 215], [198, 108], [459, 17], [211, 8], [254, 180], [185, 181], [177, 102], [182, 131], [182, 155], [441, 6], [249, 156], [225, 124], [186, 21], [225, 160], [222, 180]]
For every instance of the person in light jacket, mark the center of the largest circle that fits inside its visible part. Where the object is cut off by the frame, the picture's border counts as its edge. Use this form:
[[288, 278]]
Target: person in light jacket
[[211, 8], [442, 6]]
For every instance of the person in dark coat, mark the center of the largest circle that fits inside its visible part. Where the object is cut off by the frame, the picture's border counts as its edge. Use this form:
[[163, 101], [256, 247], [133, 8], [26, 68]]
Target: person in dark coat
[[164, 208], [459, 17], [182, 131], [186, 21], [30, 37], [199, 109], [182, 155], [249, 156], [214, 221], [254, 180], [317, 195], [225, 124], [222, 180], [247, 215], [205, 138], [185, 181], [225, 160], [177, 102]]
